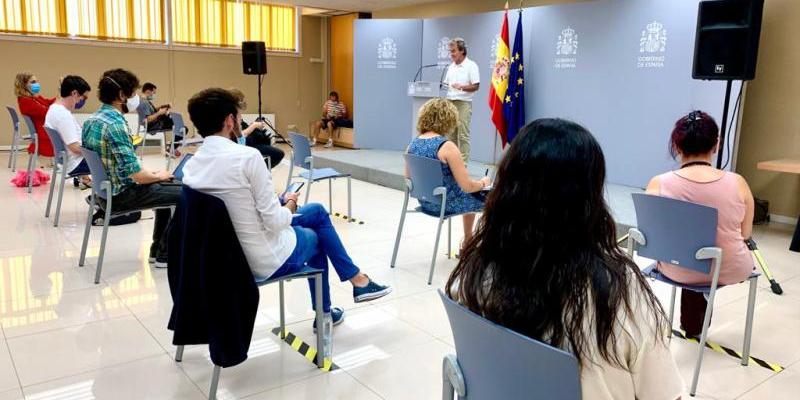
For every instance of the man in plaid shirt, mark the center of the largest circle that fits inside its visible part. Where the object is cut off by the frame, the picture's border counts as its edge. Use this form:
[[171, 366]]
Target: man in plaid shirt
[[132, 188]]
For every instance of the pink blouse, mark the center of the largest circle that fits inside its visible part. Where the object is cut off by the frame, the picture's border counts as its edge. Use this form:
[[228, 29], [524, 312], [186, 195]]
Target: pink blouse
[[722, 194]]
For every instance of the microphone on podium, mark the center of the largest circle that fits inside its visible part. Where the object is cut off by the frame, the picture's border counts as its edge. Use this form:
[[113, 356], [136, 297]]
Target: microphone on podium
[[418, 75]]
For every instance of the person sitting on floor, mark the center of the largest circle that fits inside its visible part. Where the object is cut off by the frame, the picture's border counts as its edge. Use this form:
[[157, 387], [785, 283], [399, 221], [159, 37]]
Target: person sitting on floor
[[544, 263], [465, 195], [73, 93], [694, 142], [277, 240], [256, 135], [132, 187], [334, 115]]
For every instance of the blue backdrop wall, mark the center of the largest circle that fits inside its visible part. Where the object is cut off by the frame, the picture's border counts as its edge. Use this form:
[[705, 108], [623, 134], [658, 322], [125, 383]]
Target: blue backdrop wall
[[622, 68]]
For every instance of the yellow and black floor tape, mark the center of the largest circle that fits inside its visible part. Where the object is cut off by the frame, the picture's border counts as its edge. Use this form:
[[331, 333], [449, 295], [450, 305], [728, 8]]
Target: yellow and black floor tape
[[305, 350], [730, 352], [346, 218]]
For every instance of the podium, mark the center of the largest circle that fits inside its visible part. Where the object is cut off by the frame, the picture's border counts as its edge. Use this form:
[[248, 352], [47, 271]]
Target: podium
[[420, 92]]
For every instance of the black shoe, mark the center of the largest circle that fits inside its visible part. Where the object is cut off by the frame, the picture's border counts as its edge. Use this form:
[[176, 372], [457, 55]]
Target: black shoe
[[161, 261]]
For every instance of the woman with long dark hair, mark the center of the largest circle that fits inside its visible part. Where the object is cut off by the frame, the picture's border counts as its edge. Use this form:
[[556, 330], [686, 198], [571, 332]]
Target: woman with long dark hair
[[544, 262]]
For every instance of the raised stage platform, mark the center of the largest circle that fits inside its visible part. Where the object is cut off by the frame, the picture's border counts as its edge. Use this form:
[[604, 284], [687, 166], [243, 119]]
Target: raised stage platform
[[385, 168]]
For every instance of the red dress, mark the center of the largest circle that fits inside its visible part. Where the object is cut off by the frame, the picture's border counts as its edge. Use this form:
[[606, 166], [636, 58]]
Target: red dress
[[36, 108]]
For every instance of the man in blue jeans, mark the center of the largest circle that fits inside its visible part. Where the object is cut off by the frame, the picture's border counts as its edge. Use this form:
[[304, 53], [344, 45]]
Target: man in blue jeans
[[277, 237]]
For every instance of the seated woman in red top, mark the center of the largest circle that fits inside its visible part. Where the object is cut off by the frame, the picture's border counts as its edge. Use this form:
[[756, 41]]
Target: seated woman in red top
[[35, 106]]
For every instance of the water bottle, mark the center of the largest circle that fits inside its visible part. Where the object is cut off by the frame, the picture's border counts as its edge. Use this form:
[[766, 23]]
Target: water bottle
[[327, 336]]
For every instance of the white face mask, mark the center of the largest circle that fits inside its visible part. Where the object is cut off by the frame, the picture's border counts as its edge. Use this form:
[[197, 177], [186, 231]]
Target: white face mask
[[133, 102]]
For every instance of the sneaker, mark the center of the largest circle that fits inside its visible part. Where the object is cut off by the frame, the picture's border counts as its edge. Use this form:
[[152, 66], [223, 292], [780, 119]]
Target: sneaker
[[313, 142], [370, 292], [329, 144], [337, 315]]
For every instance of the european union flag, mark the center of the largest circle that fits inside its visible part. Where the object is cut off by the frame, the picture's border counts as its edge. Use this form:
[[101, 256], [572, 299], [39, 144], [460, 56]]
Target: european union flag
[[514, 104]]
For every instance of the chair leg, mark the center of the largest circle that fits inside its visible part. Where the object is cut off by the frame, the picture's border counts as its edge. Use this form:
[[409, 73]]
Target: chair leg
[[106, 222], [52, 186], [399, 231], [330, 196], [63, 180], [319, 319], [435, 249], [703, 338], [179, 354], [13, 149], [308, 188], [748, 327], [350, 200], [282, 310], [449, 237], [671, 310], [212, 391], [30, 173], [86, 230]]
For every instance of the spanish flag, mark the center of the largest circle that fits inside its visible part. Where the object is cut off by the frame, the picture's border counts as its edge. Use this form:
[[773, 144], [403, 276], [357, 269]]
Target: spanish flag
[[497, 93]]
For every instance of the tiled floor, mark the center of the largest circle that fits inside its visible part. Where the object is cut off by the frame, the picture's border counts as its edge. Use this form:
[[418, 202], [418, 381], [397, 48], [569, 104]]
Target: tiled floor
[[66, 338]]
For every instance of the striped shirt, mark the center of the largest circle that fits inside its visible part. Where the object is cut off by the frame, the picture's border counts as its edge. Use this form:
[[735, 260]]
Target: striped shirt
[[335, 109], [106, 133]]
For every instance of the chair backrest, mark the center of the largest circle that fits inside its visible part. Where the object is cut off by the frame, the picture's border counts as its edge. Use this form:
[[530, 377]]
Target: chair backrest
[[178, 172], [674, 230], [58, 143], [301, 149], [14, 117], [142, 117], [31, 128], [498, 363], [97, 170], [425, 175], [177, 123]]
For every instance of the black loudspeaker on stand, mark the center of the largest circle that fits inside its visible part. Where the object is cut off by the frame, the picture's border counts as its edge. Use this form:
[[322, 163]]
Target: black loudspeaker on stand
[[254, 62], [726, 47]]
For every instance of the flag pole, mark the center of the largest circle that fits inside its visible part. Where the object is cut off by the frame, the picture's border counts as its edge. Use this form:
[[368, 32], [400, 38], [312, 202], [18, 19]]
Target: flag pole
[[494, 149]]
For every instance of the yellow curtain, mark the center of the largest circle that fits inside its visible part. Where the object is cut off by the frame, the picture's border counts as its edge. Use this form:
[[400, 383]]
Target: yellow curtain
[[228, 23], [130, 20]]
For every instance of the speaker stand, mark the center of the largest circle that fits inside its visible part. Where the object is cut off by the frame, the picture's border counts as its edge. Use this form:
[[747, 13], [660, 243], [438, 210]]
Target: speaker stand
[[280, 138], [723, 130]]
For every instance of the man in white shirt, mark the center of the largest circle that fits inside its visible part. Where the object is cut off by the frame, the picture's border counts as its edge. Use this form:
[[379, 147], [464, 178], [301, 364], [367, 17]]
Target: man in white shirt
[[277, 237], [72, 96], [462, 80]]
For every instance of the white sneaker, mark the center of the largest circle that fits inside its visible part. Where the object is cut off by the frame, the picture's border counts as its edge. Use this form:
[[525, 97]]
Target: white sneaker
[[329, 144], [313, 142]]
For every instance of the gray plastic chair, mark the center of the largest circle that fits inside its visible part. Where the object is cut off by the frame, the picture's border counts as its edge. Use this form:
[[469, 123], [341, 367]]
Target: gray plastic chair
[[426, 183], [302, 158], [15, 138], [494, 362], [684, 234], [160, 135], [33, 159], [305, 273], [60, 157], [101, 189]]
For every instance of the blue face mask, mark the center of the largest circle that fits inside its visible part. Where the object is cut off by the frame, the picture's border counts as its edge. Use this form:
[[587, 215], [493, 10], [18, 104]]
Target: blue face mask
[[80, 104], [36, 88]]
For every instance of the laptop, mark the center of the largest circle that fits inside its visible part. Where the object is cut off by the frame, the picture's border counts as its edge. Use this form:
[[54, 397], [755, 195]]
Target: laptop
[[178, 172]]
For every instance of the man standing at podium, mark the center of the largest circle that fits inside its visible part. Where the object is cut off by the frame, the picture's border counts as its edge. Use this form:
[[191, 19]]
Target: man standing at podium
[[462, 80]]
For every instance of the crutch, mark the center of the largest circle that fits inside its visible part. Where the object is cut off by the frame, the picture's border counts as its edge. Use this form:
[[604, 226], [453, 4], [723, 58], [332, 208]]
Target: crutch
[[751, 244]]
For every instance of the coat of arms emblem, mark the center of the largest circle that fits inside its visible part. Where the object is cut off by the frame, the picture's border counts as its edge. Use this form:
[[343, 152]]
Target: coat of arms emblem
[[654, 38], [567, 43]]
